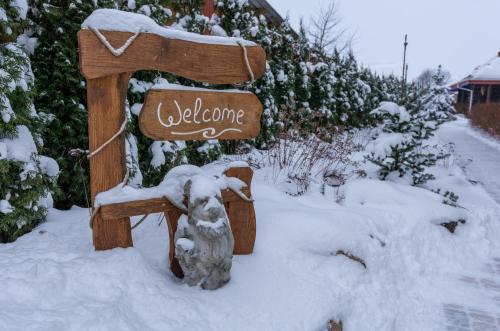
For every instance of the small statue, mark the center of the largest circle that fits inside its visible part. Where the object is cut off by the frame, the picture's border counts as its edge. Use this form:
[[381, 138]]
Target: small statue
[[204, 241]]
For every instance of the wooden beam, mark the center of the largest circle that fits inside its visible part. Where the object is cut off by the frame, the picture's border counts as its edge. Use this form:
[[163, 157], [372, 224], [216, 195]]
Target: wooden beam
[[210, 63], [106, 108], [141, 207]]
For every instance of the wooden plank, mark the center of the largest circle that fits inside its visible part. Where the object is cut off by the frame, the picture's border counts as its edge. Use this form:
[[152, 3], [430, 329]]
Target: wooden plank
[[216, 64], [200, 115], [242, 214], [106, 108], [149, 206]]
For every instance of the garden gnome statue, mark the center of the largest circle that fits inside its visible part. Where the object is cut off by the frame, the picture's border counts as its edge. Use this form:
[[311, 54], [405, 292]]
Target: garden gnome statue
[[203, 240]]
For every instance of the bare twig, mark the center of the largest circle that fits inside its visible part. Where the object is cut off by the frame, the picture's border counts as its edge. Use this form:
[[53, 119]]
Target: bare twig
[[327, 32]]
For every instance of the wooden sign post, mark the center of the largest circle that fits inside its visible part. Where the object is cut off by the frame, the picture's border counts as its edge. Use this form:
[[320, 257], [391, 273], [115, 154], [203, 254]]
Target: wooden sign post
[[106, 106], [109, 58]]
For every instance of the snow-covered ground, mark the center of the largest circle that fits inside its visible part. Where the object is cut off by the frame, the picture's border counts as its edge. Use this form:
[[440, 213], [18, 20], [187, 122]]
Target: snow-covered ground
[[418, 275]]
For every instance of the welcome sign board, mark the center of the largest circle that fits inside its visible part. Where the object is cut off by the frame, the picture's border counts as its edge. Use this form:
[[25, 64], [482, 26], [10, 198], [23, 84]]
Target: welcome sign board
[[179, 113]]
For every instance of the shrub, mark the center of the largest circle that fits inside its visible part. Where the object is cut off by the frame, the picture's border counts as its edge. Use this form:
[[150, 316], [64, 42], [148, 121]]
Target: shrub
[[26, 178], [296, 161]]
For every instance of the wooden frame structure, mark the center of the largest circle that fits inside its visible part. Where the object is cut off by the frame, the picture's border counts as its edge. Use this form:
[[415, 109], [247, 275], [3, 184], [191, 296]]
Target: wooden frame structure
[[107, 76]]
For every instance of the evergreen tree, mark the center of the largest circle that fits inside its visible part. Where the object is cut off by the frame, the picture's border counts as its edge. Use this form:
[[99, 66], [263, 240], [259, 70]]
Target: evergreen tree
[[437, 101], [61, 90], [342, 89], [155, 9], [373, 97], [392, 89], [402, 148], [26, 178], [12, 19], [283, 67], [322, 100], [392, 149], [302, 88], [236, 18], [264, 87], [189, 17], [357, 93]]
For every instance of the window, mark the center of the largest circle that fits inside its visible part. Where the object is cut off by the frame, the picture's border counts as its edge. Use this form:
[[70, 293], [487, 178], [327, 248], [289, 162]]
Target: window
[[495, 94], [480, 93], [463, 96]]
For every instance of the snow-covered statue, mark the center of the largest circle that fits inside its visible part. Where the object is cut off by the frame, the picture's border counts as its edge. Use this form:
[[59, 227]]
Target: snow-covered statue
[[203, 240]]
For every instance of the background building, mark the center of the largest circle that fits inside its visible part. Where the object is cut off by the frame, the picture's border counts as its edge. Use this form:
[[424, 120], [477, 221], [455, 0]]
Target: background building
[[478, 95]]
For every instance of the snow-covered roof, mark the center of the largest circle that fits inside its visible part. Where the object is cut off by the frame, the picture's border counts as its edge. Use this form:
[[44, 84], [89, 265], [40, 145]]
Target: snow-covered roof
[[487, 71], [269, 12]]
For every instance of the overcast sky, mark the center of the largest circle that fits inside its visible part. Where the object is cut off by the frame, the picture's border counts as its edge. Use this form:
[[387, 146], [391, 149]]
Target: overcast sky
[[458, 34]]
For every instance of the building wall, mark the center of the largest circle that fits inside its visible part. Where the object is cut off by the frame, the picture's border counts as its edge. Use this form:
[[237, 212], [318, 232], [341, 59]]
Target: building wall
[[462, 107], [486, 116]]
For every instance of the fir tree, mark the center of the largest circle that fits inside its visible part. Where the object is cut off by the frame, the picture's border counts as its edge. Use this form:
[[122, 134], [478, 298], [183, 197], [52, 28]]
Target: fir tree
[[302, 88], [437, 101], [373, 97], [342, 88], [189, 17], [61, 91], [236, 18], [12, 20], [264, 87], [26, 178], [283, 43], [402, 148], [392, 149], [322, 100]]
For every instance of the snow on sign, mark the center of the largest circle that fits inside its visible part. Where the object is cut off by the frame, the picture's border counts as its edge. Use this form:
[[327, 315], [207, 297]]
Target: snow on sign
[[114, 42], [112, 46], [173, 112]]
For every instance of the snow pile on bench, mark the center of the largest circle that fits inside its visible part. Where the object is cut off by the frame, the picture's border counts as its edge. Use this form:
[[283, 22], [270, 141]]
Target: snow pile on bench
[[117, 20], [172, 187]]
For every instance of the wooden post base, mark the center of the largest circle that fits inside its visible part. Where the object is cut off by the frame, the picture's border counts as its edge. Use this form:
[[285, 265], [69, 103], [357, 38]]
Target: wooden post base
[[172, 217], [106, 107], [242, 214]]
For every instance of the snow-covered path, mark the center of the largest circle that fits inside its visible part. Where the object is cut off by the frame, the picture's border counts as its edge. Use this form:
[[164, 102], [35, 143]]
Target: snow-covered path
[[476, 303], [479, 155]]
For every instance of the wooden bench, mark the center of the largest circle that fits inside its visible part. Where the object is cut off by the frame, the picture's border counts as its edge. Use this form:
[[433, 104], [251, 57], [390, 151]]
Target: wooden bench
[[241, 215]]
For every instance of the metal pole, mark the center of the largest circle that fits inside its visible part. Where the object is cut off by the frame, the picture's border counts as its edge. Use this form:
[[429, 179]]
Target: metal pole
[[406, 74], [403, 79]]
